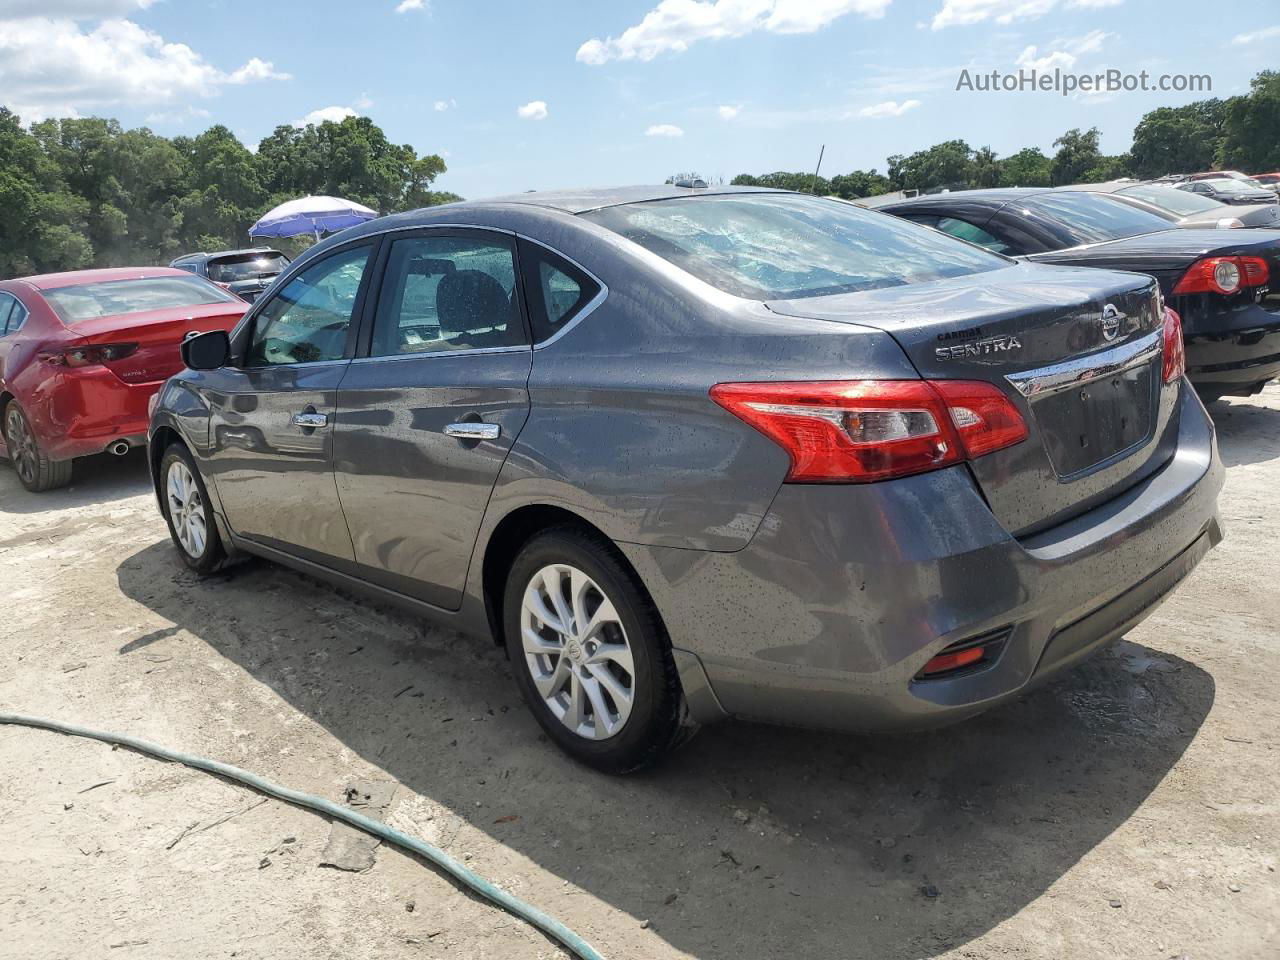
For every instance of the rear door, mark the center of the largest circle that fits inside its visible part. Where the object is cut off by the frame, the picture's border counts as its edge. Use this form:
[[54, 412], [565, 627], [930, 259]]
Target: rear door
[[272, 420], [428, 412]]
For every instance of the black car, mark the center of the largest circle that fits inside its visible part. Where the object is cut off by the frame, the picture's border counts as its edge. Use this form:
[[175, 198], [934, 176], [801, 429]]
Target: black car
[[246, 273], [1228, 190], [1219, 281]]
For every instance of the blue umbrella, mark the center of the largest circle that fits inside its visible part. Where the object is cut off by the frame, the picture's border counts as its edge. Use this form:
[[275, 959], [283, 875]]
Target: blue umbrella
[[311, 215]]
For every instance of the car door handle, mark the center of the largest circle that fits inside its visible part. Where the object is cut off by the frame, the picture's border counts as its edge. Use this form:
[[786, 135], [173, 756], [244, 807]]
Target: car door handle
[[310, 420], [474, 431]]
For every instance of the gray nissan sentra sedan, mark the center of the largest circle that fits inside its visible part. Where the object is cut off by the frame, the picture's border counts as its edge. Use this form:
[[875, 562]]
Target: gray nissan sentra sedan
[[692, 454]]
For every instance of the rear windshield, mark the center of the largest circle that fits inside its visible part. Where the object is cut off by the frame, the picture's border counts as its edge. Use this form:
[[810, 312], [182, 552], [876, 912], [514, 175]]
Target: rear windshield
[[786, 246], [1181, 202], [1073, 219], [111, 297], [246, 266]]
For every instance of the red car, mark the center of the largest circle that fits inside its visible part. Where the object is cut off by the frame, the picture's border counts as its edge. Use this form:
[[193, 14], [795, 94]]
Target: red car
[[82, 353]]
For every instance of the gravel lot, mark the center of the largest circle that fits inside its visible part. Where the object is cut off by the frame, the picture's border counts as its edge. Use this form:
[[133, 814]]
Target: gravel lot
[[1129, 810]]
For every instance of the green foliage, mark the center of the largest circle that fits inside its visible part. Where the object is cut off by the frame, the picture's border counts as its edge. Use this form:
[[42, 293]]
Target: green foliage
[[948, 164], [1251, 130], [1178, 139], [1029, 167], [83, 191]]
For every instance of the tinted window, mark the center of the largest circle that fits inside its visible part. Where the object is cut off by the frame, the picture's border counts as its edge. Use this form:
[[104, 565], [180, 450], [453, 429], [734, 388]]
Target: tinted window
[[308, 319], [1072, 219], [448, 293], [1178, 201], [249, 266], [967, 231], [768, 246], [110, 298], [558, 291]]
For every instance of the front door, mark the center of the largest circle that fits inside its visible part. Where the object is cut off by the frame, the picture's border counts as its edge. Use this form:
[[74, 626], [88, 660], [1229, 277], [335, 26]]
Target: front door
[[426, 417], [272, 424]]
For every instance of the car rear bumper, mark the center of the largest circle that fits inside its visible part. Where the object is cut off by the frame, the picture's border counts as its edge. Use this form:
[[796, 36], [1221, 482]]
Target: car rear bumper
[[1235, 353], [89, 409], [827, 617]]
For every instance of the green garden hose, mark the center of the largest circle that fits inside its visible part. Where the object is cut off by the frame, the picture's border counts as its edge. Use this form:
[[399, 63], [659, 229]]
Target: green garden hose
[[548, 925]]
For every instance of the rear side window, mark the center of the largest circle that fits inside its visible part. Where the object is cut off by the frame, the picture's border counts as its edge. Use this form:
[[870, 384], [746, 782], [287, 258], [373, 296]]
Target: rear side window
[[448, 293], [783, 246], [16, 318], [6, 305], [558, 291], [110, 298], [967, 231]]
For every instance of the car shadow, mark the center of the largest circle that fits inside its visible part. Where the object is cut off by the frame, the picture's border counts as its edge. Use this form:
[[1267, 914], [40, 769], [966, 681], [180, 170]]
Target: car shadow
[[751, 841], [96, 479], [1247, 432]]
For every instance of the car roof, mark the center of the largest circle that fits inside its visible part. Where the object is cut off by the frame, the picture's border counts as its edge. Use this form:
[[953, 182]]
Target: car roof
[[75, 278], [995, 197], [224, 253], [594, 198]]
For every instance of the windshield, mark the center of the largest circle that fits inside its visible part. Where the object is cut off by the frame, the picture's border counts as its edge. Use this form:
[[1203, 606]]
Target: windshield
[[112, 297], [784, 246], [1073, 219], [246, 266], [1181, 202]]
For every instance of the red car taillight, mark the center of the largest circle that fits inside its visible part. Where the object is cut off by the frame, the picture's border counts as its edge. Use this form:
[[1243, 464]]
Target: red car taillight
[[838, 431], [1223, 275], [89, 356], [1175, 353]]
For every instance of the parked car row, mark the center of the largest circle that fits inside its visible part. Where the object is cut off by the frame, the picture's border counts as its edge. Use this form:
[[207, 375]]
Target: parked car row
[[691, 453]]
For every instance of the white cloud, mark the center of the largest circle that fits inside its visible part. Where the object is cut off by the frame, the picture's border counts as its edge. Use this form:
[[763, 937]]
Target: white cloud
[[363, 102], [59, 69], [178, 116], [962, 12], [728, 112], [333, 114], [443, 105], [675, 25], [408, 5], [664, 130], [533, 110], [1266, 33], [1062, 54], [890, 108]]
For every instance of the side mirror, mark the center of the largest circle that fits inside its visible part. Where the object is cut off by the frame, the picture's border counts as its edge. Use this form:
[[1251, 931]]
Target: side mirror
[[207, 351]]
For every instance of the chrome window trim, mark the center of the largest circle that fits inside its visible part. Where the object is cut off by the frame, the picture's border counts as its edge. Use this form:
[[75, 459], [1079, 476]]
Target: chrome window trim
[[432, 354], [1082, 370]]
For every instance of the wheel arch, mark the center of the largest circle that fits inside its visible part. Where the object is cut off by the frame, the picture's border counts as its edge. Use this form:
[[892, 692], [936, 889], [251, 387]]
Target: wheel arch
[[159, 442]]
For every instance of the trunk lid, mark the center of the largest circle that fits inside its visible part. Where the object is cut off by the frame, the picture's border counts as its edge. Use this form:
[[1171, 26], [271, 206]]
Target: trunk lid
[[158, 334], [1078, 352]]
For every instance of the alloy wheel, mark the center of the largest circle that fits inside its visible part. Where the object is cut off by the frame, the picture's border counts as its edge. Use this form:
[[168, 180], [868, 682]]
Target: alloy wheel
[[22, 445], [186, 509], [577, 652]]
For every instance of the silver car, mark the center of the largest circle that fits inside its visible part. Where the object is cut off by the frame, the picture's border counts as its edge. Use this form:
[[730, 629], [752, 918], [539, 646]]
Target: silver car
[[699, 453], [1185, 209]]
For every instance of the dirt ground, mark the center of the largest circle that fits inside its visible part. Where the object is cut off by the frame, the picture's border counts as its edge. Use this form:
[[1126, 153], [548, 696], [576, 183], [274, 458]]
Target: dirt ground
[[1128, 811]]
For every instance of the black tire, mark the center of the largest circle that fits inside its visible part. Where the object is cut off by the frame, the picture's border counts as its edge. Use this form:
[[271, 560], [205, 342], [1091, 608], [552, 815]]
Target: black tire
[[35, 470], [211, 556], [653, 727]]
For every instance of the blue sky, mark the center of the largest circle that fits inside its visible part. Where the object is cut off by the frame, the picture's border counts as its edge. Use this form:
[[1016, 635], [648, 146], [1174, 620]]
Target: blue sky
[[621, 92]]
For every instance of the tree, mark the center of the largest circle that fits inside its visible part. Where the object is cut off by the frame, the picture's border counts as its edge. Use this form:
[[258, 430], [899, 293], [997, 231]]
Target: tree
[[1028, 167], [1251, 130], [1077, 154], [859, 183], [948, 164], [1178, 139], [986, 168]]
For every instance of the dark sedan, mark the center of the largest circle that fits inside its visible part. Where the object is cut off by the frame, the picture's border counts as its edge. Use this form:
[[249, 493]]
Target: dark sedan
[[1229, 190], [1219, 281], [697, 453]]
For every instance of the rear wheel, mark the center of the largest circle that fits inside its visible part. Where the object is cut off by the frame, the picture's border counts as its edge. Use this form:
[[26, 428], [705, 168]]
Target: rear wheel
[[589, 652], [188, 511], [36, 471]]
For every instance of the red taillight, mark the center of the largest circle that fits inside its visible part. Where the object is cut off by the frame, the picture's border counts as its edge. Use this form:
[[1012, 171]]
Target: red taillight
[[839, 431], [1224, 275], [946, 662], [89, 356], [1175, 353]]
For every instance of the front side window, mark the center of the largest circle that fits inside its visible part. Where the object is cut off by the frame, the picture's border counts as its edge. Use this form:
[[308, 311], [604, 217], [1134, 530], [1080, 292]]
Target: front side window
[[109, 298], [558, 291], [307, 320], [448, 293], [784, 246]]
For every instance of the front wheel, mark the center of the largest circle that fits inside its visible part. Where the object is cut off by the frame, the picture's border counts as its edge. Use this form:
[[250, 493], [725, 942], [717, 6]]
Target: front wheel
[[35, 471], [589, 652], [188, 511]]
